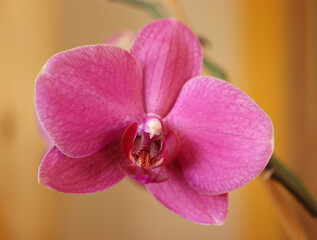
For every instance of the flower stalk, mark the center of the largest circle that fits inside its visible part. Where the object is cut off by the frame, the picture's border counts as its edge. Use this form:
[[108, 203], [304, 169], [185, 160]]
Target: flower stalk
[[214, 69], [275, 169], [143, 5], [291, 182]]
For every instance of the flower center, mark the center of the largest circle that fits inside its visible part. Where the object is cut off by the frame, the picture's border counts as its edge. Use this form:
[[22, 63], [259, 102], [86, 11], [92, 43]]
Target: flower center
[[147, 147], [148, 142], [143, 159]]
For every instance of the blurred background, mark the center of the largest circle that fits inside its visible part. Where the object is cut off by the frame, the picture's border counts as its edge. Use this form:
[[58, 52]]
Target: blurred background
[[269, 50]]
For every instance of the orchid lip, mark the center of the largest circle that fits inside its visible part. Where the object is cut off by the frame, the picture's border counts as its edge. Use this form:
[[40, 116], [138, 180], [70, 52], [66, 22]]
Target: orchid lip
[[143, 175]]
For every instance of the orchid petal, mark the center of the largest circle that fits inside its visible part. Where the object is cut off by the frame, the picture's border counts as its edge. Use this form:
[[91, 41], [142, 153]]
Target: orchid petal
[[87, 96], [179, 197], [225, 138], [82, 175], [169, 55]]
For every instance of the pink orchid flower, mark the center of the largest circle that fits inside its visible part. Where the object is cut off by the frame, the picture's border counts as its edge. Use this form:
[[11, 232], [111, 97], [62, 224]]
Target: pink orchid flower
[[149, 114]]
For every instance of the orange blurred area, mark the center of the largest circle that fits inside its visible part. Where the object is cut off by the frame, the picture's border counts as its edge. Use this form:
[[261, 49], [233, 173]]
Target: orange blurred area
[[268, 49]]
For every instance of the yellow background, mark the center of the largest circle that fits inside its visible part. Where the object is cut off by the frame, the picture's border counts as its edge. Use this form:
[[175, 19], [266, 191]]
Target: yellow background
[[268, 48]]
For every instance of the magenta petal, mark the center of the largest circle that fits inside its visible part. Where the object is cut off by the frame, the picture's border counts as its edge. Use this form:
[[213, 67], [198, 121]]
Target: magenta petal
[[179, 197], [87, 96], [169, 55], [225, 138], [82, 175]]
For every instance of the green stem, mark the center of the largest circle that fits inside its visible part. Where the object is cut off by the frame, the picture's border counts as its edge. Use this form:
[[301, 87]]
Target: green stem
[[214, 69], [291, 182], [280, 173], [149, 7]]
